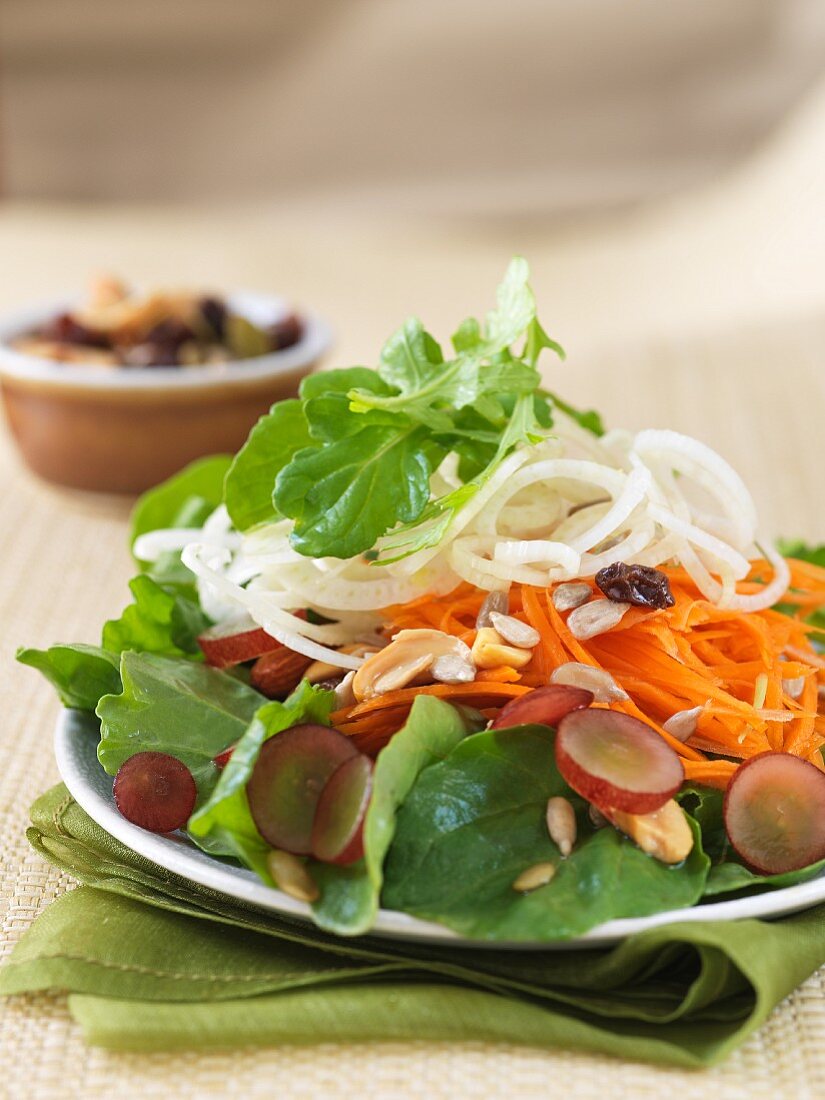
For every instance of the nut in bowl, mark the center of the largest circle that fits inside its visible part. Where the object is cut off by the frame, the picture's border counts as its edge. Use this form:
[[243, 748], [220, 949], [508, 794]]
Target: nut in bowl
[[117, 392]]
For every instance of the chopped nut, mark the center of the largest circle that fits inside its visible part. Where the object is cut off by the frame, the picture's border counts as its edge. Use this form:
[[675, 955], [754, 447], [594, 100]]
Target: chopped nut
[[319, 671], [453, 670], [291, 876], [573, 594], [410, 654], [595, 618], [514, 631], [794, 687], [664, 834], [600, 682], [561, 824], [278, 673], [489, 651], [494, 601], [344, 695], [534, 877], [682, 724]]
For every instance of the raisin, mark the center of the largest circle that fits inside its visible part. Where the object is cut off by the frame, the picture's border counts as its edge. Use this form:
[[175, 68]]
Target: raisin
[[65, 329], [286, 332], [637, 584], [213, 312]]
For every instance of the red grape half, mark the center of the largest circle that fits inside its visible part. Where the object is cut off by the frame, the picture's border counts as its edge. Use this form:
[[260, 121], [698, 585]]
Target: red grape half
[[156, 791]]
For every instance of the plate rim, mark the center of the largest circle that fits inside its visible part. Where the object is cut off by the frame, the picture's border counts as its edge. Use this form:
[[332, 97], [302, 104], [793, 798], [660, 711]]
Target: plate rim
[[183, 858]]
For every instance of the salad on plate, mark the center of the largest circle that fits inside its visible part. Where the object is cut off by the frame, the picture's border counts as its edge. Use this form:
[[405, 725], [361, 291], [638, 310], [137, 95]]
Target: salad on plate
[[436, 641]]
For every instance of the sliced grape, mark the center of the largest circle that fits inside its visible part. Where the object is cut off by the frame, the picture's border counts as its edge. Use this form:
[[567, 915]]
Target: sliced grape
[[546, 706], [223, 758], [617, 762], [289, 775], [775, 813], [229, 644], [156, 791], [337, 833]]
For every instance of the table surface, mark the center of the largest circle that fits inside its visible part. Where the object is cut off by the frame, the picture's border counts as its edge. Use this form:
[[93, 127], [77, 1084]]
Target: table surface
[[707, 315]]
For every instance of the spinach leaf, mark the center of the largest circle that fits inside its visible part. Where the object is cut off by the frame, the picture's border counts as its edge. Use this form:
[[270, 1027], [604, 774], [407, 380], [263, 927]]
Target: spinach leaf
[[270, 446], [159, 621], [731, 877], [81, 674], [350, 895], [223, 825], [475, 821], [198, 488], [179, 707]]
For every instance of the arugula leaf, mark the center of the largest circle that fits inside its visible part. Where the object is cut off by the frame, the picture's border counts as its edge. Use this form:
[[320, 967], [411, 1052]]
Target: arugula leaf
[[270, 446], [475, 821], [224, 825], [188, 710], [81, 674], [159, 621], [588, 419], [198, 487], [350, 895], [344, 496], [411, 358]]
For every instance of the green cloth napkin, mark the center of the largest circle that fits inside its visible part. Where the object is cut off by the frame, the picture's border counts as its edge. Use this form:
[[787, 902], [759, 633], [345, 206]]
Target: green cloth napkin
[[152, 961]]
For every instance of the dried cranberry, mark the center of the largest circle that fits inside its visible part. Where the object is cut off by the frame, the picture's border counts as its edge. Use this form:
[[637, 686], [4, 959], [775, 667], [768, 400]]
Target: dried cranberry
[[636, 584], [65, 329], [286, 332], [213, 312]]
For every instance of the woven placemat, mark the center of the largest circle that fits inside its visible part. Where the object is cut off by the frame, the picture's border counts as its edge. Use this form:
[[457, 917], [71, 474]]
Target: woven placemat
[[63, 570]]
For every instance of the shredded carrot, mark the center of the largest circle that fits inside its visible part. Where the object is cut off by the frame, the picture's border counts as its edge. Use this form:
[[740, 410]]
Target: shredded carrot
[[692, 655]]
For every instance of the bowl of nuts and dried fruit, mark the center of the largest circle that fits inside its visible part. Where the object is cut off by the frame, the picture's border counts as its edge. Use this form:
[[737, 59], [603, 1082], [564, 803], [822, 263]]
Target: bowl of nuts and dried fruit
[[117, 391]]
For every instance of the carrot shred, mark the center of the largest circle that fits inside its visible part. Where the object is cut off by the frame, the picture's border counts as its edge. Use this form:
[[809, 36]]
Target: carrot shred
[[691, 655]]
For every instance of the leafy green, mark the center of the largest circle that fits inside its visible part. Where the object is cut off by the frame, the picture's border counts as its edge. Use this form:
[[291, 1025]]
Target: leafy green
[[794, 548], [179, 707], [159, 621], [475, 821], [81, 674], [349, 895], [588, 419], [224, 825], [198, 488], [734, 878], [345, 495], [365, 443], [271, 444]]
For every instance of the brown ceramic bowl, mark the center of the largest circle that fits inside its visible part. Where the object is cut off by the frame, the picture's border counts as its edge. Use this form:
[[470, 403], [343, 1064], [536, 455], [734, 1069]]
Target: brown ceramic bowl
[[120, 430]]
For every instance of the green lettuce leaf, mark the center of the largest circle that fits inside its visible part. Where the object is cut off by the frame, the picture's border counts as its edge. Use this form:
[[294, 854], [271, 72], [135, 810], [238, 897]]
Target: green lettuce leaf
[[81, 674], [198, 488], [270, 446], [189, 710], [159, 621], [475, 821]]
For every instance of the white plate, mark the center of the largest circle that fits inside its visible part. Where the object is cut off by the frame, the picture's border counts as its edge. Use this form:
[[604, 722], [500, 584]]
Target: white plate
[[76, 738]]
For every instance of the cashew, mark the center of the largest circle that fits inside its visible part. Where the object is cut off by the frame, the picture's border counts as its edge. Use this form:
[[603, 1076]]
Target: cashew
[[664, 834], [410, 654], [489, 651]]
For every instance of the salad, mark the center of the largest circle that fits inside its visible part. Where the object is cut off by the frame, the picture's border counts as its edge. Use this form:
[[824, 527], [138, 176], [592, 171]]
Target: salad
[[435, 640]]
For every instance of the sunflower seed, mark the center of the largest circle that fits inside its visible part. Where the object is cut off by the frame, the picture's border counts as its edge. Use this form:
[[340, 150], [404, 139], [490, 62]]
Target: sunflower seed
[[568, 596], [601, 683], [595, 618], [534, 877], [291, 876]]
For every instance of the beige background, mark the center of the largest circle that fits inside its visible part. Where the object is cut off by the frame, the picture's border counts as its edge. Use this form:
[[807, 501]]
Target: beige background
[[706, 313]]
